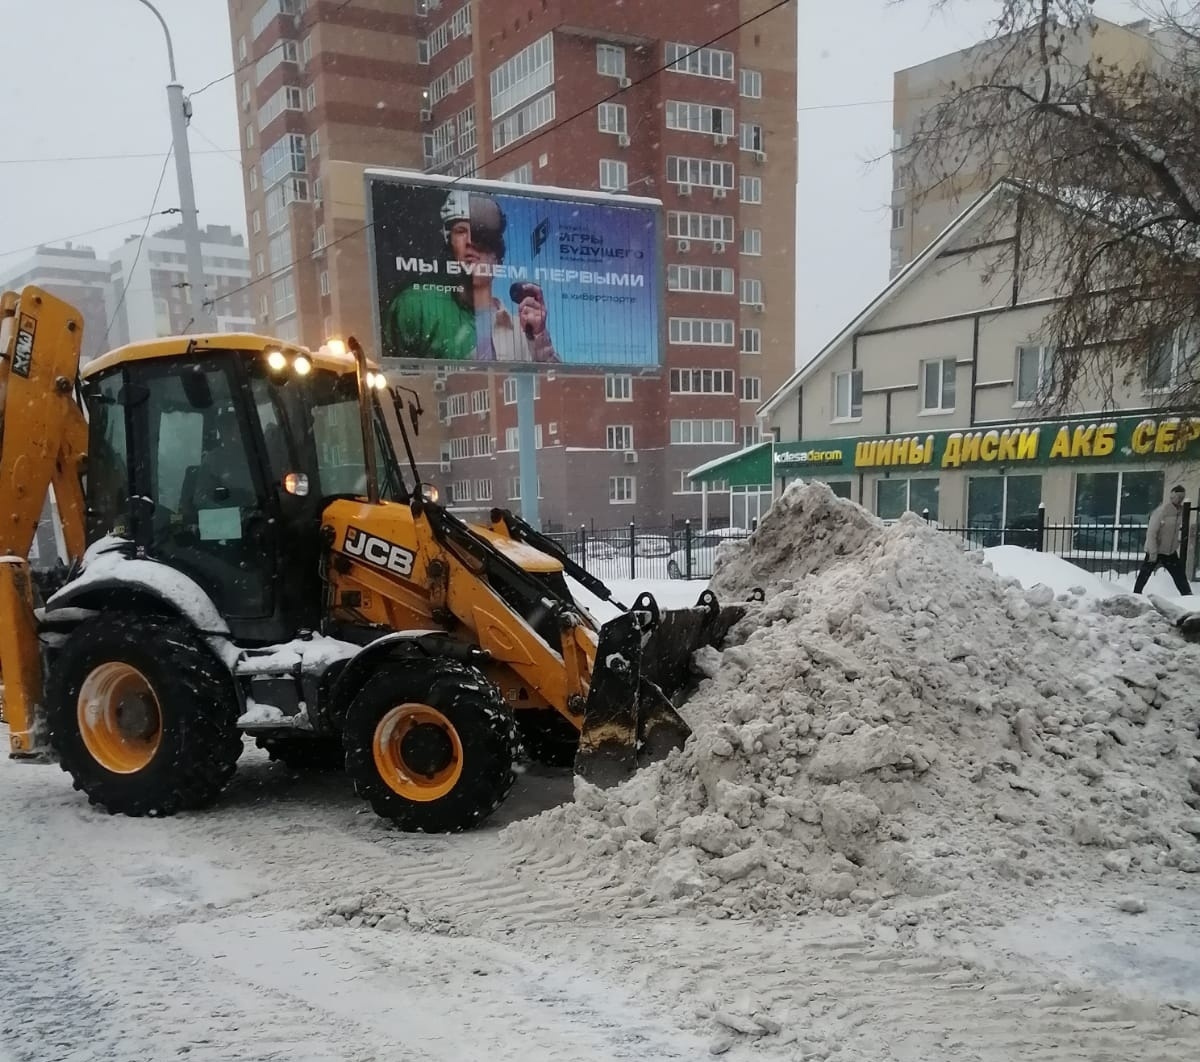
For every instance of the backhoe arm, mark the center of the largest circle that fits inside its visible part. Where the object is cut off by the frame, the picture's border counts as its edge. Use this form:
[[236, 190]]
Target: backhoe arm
[[43, 444]]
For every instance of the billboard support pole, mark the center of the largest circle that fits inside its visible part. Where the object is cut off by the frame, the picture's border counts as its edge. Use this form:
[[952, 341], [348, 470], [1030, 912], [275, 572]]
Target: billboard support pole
[[527, 449]]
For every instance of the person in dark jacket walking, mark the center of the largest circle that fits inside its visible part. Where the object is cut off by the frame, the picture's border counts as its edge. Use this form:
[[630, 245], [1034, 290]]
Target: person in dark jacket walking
[[1162, 544]]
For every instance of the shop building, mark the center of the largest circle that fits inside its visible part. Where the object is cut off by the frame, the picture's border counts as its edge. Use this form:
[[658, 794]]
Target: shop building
[[934, 400]]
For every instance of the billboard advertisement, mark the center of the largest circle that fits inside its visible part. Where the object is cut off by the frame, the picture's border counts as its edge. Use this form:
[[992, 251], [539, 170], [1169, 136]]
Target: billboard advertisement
[[484, 272]]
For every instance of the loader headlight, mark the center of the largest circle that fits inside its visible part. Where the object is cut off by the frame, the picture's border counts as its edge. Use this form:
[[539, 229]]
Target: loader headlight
[[276, 362], [301, 365], [377, 381]]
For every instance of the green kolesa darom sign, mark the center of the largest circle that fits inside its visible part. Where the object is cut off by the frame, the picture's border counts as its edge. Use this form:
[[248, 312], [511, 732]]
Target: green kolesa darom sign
[[1008, 445]]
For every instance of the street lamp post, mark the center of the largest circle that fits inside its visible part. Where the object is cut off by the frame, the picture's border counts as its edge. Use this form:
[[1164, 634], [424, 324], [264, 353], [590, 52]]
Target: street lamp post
[[181, 111]]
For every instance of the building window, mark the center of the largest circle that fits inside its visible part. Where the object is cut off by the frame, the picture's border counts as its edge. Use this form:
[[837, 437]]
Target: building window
[[1035, 372], [258, 264], [521, 175], [701, 381], [751, 435], [481, 445], [612, 118], [687, 486], [279, 250], [521, 123], [702, 173], [510, 389], [1004, 502], [314, 144], [460, 22], [241, 49], [714, 228], [752, 292], [460, 491], [700, 62], [847, 395], [700, 332], [751, 241], [460, 448], [699, 118], [622, 490], [310, 97], [898, 217], [620, 436], [306, 51], [700, 278], [256, 221], [751, 389], [264, 306], [750, 137], [318, 190], [1116, 499], [1169, 362], [895, 497], [897, 259], [439, 39], [283, 290], [481, 401], [751, 190], [614, 175], [523, 76], [319, 238], [483, 490], [512, 439], [750, 84], [618, 387], [245, 95], [610, 60], [514, 488], [937, 385], [249, 136], [254, 178], [324, 281], [284, 52], [284, 156], [751, 341], [701, 432]]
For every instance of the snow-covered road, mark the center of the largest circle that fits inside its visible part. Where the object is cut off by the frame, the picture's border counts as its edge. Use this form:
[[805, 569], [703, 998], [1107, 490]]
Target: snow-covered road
[[244, 933]]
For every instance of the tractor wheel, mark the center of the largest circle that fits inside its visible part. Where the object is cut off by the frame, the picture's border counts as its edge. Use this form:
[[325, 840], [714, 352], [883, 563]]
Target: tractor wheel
[[548, 738], [309, 752], [430, 747], [143, 716]]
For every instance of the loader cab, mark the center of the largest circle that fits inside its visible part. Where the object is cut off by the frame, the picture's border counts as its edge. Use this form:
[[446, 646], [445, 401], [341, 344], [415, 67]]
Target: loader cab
[[218, 462]]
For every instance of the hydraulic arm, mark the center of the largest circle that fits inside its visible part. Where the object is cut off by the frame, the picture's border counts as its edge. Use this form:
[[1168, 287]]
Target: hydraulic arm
[[43, 445]]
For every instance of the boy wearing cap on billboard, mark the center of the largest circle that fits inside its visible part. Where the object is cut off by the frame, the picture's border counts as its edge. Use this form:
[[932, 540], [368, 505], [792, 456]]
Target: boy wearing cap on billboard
[[471, 324], [1162, 544]]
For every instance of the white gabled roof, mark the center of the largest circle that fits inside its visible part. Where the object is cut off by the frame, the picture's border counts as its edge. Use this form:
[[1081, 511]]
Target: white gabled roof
[[893, 288]]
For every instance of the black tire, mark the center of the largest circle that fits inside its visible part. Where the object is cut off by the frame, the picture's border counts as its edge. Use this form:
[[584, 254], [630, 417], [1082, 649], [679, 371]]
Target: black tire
[[547, 737], [310, 752], [482, 723], [198, 738], [673, 571]]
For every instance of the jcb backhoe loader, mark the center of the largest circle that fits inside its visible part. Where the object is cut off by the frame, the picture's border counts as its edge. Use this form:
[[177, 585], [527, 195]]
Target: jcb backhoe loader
[[247, 557]]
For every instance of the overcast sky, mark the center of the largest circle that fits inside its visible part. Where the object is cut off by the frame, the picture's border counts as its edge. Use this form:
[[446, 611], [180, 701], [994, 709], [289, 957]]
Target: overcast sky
[[87, 78]]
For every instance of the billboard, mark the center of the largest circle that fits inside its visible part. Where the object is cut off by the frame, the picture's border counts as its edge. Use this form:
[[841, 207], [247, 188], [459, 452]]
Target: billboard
[[485, 272]]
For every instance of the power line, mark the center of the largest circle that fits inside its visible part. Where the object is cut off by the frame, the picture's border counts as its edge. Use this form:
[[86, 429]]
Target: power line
[[524, 143], [138, 253], [89, 232], [99, 158]]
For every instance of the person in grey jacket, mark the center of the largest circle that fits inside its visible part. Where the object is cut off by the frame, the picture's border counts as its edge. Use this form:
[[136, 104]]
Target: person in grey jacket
[[1162, 544]]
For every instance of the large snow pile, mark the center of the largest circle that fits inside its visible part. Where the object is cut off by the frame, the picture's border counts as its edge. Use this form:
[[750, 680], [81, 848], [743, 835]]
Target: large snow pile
[[896, 718]]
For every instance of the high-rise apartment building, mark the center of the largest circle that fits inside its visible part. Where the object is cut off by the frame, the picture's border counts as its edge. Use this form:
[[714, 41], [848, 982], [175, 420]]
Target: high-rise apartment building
[[920, 214], [151, 281], [77, 275], [573, 94]]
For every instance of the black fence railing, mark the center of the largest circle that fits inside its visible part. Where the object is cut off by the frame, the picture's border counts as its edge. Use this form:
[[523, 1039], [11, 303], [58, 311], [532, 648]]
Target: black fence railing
[[1095, 547], [635, 552]]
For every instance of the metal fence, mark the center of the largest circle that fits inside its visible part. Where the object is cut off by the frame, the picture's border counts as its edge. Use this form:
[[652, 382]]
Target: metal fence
[[635, 552], [1095, 547], [639, 553]]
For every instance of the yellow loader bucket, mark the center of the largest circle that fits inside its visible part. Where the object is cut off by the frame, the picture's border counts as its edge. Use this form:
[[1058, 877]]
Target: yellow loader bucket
[[642, 671]]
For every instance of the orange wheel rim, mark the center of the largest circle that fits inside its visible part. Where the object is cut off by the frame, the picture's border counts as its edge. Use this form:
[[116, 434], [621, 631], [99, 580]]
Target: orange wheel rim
[[119, 717], [417, 752]]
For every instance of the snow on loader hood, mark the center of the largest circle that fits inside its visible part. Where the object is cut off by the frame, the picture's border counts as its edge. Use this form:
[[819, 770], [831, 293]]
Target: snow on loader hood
[[897, 719]]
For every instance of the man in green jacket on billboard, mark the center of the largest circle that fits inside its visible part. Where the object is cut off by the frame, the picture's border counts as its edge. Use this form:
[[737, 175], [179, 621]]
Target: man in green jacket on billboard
[[471, 324]]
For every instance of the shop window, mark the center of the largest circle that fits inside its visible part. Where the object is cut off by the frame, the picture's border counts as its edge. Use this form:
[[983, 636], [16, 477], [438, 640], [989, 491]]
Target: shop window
[[1112, 509], [894, 497], [1003, 510]]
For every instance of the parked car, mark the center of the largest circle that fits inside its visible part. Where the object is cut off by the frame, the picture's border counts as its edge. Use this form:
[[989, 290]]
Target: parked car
[[705, 546]]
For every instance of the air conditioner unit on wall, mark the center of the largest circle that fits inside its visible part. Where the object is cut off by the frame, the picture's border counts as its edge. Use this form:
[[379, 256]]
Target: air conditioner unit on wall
[[718, 247], [685, 189], [444, 466], [631, 457], [624, 82], [719, 193], [720, 139], [426, 114], [760, 156], [623, 140], [683, 246]]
